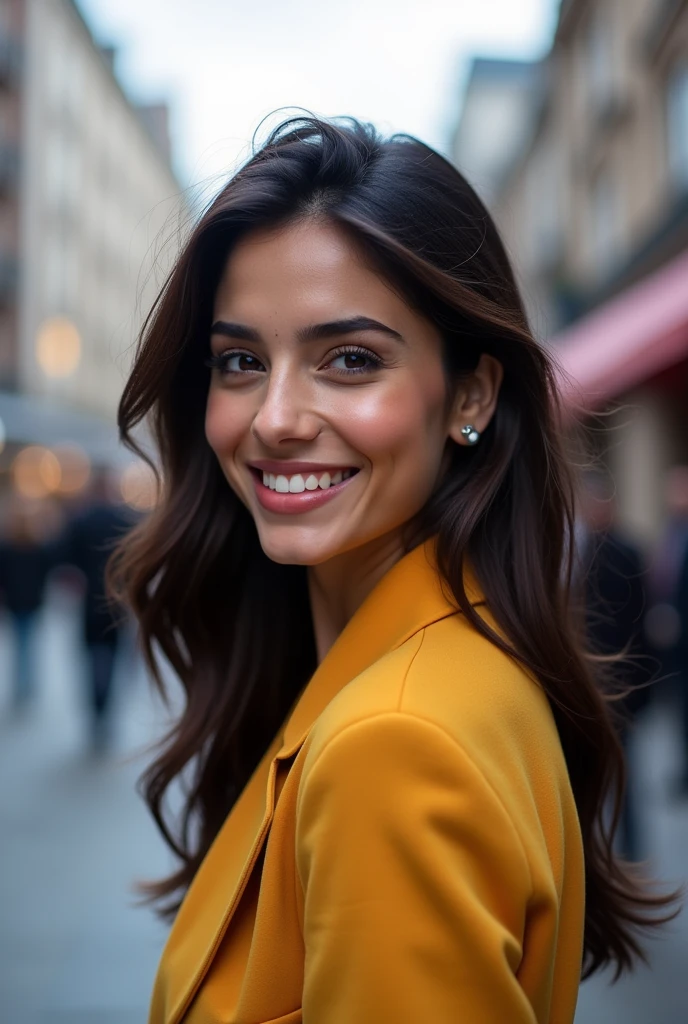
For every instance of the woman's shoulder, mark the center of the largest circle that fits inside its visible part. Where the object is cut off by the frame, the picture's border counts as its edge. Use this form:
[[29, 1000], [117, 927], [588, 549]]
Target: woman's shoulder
[[452, 678], [447, 671]]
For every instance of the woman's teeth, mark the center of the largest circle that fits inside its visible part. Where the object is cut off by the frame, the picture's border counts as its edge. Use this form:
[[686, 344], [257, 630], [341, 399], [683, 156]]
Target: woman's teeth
[[298, 483]]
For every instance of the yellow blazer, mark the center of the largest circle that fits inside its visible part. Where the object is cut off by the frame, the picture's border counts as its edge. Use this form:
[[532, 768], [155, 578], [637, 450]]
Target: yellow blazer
[[408, 850]]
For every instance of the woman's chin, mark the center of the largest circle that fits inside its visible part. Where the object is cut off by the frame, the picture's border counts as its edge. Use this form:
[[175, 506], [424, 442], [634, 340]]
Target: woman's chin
[[297, 550]]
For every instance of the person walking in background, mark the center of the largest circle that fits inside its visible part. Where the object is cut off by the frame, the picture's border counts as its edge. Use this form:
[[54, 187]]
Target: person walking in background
[[667, 619], [680, 651], [89, 541], [25, 560], [615, 605]]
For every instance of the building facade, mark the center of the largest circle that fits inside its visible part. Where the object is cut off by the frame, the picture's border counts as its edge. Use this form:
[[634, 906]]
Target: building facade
[[90, 212], [593, 206], [499, 109], [11, 32]]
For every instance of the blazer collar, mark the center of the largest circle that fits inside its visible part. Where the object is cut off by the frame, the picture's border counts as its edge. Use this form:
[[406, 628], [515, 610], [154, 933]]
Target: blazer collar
[[409, 597]]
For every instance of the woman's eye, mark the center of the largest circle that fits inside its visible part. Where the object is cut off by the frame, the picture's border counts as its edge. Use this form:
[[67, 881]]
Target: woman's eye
[[235, 362], [354, 361]]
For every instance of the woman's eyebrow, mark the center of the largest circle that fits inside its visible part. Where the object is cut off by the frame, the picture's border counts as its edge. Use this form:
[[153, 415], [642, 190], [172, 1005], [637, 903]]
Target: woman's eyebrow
[[315, 332], [238, 331], [337, 327]]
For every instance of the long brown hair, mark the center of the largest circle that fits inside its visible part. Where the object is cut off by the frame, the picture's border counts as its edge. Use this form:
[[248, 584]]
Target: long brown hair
[[199, 582]]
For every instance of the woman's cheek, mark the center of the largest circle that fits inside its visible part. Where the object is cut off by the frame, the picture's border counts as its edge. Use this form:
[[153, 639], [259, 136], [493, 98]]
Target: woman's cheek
[[222, 429], [385, 425]]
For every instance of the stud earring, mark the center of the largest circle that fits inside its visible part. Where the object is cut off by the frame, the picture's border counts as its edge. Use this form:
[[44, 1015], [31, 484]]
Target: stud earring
[[470, 433]]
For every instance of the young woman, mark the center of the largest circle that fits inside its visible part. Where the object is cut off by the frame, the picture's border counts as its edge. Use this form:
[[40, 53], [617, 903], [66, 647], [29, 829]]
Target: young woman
[[395, 749]]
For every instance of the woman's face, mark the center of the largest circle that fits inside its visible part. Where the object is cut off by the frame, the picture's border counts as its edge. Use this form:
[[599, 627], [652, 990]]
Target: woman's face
[[327, 403]]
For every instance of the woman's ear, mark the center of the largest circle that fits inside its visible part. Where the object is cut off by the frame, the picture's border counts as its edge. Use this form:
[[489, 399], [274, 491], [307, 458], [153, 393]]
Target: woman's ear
[[476, 398]]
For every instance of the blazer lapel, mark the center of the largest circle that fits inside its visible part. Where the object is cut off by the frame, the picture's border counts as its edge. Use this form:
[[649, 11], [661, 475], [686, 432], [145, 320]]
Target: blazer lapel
[[213, 896], [409, 597]]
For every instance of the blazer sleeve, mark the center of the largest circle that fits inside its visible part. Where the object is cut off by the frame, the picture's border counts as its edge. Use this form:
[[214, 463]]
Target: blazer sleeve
[[414, 879]]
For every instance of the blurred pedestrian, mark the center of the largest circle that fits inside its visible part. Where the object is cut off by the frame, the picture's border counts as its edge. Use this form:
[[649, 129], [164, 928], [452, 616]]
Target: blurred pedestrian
[[25, 560], [667, 620], [615, 601], [89, 541], [681, 664], [663, 618]]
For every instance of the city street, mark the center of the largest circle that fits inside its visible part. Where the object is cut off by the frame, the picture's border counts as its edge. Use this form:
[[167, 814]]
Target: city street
[[74, 949], [74, 835]]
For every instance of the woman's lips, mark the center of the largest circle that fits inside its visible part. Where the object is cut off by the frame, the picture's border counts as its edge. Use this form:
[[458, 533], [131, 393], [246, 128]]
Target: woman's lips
[[293, 503]]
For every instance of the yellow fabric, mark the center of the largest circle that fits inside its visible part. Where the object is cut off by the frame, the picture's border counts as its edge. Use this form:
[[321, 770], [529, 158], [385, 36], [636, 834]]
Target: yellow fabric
[[407, 851]]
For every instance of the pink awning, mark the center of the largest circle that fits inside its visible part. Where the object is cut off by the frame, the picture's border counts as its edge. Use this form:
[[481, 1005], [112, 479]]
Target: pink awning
[[627, 340]]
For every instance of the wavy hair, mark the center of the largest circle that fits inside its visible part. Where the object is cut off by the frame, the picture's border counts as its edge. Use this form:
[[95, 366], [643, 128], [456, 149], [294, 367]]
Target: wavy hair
[[202, 588]]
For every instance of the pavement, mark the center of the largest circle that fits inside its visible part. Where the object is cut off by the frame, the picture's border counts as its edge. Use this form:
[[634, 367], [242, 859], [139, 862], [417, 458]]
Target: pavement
[[74, 835], [657, 994]]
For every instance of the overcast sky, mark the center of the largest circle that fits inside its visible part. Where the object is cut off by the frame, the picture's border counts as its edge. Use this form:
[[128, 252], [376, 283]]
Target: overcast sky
[[225, 65]]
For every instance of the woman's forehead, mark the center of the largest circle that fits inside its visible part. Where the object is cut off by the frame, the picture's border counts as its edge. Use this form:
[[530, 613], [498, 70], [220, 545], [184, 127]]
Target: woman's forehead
[[308, 269]]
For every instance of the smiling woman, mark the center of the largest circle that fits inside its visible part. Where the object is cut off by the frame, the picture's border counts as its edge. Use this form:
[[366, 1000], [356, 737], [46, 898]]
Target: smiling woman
[[400, 753]]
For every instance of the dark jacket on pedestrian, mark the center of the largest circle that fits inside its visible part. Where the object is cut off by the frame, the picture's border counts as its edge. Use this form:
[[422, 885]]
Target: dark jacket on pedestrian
[[681, 605], [89, 542], [23, 571]]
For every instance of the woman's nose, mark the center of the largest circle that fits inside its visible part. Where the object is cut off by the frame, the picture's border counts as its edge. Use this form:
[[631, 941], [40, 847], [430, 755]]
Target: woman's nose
[[285, 414]]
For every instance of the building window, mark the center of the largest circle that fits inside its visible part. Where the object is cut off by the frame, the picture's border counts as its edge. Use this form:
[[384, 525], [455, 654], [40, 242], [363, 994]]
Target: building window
[[677, 125]]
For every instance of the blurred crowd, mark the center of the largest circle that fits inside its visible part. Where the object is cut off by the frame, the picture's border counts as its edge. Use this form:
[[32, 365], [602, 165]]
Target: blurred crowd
[[638, 606], [67, 545]]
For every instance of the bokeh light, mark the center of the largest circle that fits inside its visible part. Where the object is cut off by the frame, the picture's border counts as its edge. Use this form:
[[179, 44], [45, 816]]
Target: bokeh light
[[138, 487], [3, 435], [36, 472], [58, 347], [76, 468]]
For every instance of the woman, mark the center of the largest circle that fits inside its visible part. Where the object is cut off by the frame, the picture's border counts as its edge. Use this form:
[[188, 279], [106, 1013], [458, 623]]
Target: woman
[[396, 752]]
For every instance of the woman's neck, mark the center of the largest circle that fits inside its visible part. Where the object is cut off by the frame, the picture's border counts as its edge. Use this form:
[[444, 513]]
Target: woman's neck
[[339, 586]]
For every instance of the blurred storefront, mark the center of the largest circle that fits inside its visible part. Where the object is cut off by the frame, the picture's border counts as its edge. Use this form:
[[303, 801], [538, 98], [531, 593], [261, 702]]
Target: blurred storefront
[[90, 218], [592, 200]]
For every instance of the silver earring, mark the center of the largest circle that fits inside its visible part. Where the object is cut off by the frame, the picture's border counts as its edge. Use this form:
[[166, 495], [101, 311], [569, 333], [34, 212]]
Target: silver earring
[[470, 433]]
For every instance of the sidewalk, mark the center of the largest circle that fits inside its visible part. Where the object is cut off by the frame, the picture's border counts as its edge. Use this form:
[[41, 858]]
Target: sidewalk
[[74, 834], [658, 995]]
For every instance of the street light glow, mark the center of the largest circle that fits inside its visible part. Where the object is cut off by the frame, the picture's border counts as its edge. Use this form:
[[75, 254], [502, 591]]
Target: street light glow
[[36, 472], [58, 347], [75, 468]]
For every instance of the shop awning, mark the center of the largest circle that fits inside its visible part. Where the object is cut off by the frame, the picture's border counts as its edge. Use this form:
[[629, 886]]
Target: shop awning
[[629, 339]]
